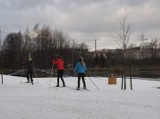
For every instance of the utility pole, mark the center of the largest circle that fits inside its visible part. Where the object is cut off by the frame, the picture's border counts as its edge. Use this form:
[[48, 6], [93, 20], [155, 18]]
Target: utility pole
[[95, 46]]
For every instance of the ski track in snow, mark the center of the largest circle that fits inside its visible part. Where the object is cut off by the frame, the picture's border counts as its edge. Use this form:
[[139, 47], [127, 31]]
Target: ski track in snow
[[44, 101]]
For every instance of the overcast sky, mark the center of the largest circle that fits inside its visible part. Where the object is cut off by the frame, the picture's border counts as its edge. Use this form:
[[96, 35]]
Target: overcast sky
[[83, 20]]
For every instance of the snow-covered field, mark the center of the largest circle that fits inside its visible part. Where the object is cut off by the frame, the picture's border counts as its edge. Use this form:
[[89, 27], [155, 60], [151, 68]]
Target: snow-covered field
[[42, 100]]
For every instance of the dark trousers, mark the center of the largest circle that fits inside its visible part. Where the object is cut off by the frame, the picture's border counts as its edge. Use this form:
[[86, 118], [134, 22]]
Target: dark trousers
[[60, 75], [29, 75], [81, 75]]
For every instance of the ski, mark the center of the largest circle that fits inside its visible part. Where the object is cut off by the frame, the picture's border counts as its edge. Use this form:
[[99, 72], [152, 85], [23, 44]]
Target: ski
[[81, 89]]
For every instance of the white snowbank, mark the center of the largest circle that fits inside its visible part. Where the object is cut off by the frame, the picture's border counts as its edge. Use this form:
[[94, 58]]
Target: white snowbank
[[42, 100]]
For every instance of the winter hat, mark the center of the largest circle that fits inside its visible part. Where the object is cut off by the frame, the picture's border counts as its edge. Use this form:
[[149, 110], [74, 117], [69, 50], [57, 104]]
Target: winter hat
[[81, 61], [30, 59]]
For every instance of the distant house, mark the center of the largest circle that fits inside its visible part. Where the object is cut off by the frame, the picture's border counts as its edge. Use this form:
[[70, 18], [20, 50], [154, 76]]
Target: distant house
[[143, 53], [135, 53], [99, 53]]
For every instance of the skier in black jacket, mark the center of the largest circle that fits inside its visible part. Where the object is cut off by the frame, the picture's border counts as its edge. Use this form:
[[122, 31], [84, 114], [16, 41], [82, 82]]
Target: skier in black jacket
[[29, 71]]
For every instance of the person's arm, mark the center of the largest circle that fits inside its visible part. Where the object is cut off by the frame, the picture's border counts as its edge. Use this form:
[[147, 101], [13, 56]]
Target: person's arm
[[76, 68], [54, 61], [85, 68]]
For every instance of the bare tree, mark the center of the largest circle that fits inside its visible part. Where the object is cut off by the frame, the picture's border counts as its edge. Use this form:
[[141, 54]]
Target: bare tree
[[28, 45], [74, 44], [153, 47], [12, 46], [83, 46], [124, 32], [43, 44]]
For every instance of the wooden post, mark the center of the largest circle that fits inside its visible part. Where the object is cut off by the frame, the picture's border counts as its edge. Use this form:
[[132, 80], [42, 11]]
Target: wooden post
[[2, 78], [1, 73], [131, 78], [126, 68], [122, 78]]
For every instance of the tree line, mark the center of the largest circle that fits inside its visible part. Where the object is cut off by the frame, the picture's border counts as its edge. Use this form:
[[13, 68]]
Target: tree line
[[43, 44]]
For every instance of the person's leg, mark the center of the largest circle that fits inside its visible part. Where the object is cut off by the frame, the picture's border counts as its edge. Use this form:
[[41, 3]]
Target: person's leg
[[61, 76], [79, 77], [57, 79], [27, 77], [31, 78], [84, 83]]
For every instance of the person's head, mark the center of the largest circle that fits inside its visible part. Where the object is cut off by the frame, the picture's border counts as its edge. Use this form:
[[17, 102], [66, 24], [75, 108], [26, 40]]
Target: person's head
[[60, 57], [30, 59], [80, 59]]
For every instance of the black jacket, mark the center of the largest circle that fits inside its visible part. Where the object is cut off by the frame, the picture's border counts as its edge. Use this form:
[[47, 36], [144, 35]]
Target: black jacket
[[29, 66]]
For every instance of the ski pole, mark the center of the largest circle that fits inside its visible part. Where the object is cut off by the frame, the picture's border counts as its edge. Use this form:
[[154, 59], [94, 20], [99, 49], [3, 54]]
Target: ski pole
[[22, 73], [36, 75], [93, 82], [41, 70], [51, 75], [52, 70]]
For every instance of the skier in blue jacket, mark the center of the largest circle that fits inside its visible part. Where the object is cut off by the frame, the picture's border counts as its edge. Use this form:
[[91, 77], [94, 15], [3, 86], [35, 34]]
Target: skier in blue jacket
[[80, 68]]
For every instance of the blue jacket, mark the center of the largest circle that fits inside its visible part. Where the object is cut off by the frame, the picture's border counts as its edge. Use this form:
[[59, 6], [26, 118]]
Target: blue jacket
[[79, 68]]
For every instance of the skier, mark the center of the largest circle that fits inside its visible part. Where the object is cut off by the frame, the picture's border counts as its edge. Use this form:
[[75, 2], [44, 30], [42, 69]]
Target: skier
[[29, 70], [80, 68], [60, 64]]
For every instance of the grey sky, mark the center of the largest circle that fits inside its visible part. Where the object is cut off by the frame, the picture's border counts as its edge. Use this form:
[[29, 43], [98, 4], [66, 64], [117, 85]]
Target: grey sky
[[83, 20]]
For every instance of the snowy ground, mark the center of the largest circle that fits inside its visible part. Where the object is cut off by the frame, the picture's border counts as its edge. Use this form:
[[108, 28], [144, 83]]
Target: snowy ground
[[19, 100]]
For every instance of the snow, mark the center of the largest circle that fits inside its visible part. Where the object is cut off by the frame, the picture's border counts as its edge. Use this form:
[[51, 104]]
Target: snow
[[19, 100]]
